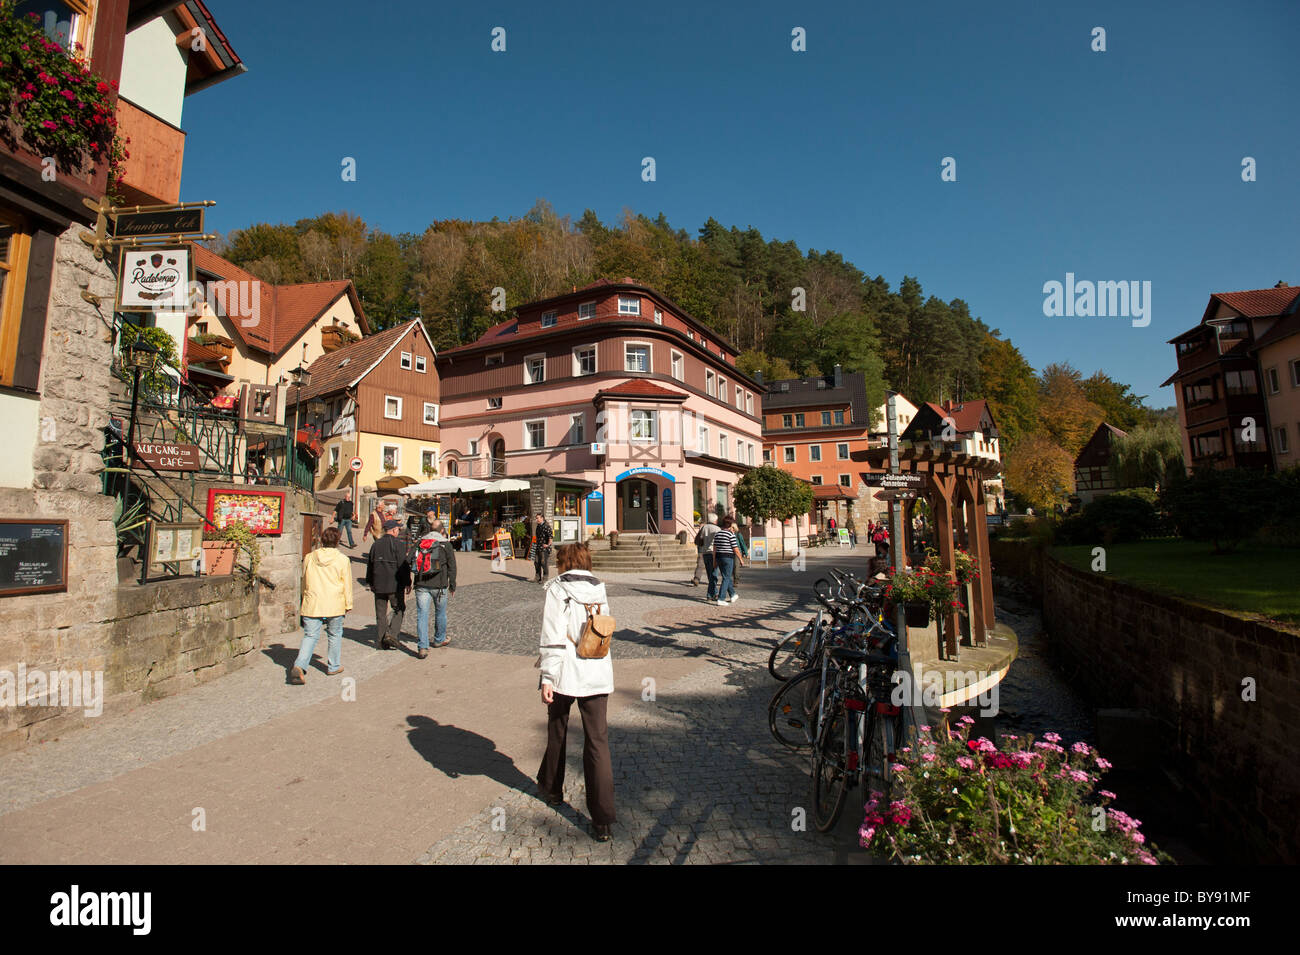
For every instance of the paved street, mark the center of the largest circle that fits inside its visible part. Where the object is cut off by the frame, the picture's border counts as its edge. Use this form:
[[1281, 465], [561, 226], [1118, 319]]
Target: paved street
[[433, 761]]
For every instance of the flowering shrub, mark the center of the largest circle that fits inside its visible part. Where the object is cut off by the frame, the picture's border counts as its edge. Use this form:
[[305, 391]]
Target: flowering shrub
[[926, 584], [961, 800], [964, 567], [58, 108]]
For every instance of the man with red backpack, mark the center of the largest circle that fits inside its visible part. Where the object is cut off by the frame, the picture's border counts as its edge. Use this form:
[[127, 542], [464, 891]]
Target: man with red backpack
[[433, 574]]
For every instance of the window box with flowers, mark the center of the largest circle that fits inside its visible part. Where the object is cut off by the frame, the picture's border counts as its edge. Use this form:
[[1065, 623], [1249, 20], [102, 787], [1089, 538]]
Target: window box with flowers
[[57, 108]]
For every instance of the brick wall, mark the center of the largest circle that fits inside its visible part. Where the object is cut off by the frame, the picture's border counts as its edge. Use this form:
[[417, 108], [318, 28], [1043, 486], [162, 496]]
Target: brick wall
[[1185, 665]]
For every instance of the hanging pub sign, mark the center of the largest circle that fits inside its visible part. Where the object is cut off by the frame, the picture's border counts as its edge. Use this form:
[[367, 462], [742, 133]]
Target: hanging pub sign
[[154, 279], [162, 222]]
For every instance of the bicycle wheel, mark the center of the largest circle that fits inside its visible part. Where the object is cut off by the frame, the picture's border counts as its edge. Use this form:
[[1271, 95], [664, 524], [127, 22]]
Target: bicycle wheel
[[883, 732], [830, 781], [790, 654], [792, 714]]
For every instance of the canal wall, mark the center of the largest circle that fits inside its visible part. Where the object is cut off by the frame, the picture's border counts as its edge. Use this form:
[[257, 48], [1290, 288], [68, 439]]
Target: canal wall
[[1223, 693]]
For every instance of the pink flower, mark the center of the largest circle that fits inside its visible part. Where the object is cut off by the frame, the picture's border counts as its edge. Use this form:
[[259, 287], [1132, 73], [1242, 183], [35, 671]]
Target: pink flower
[[1079, 777], [966, 719], [1102, 763], [24, 95], [1052, 737], [1107, 794], [68, 95], [929, 757], [1081, 748], [49, 124], [965, 762]]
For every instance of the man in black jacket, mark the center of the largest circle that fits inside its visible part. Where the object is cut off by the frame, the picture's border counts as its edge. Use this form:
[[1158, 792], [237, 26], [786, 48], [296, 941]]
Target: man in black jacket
[[388, 575], [343, 516]]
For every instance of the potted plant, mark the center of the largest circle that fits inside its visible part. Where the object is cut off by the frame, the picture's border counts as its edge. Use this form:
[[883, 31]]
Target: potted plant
[[218, 554], [613, 539], [429, 472]]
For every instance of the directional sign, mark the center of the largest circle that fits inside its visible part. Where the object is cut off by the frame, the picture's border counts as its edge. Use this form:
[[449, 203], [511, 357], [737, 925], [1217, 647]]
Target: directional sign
[[355, 464], [895, 480], [895, 494]]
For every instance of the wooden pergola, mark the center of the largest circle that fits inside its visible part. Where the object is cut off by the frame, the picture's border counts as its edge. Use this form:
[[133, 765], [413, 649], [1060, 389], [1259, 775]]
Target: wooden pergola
[[954, 488]]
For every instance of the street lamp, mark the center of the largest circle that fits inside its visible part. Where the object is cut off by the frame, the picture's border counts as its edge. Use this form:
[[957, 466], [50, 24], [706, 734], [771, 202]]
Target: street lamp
[[301, 380], [140, 357]]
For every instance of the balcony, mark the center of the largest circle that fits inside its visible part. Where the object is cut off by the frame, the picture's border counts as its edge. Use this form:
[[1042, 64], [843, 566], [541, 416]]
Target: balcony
[[152, 174]]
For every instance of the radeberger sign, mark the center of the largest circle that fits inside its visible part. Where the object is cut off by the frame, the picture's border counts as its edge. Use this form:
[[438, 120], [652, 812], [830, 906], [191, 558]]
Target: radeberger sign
[[154, 280]]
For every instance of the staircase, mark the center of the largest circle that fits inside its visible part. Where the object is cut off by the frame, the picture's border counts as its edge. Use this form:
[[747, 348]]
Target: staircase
[[643, 554]]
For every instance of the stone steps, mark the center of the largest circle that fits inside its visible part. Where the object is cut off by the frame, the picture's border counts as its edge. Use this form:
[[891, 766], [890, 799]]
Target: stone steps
[[643, 553]]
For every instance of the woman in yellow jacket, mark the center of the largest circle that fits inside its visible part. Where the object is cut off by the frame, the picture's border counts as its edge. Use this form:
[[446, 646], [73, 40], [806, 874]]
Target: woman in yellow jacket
[[326, 597]]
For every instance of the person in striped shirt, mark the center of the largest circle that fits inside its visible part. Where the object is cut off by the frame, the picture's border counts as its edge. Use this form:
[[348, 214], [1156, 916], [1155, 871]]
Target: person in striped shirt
[[726, 556]]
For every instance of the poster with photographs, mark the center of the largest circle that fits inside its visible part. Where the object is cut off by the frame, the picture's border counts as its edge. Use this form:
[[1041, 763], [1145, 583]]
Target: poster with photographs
[[262, 511]]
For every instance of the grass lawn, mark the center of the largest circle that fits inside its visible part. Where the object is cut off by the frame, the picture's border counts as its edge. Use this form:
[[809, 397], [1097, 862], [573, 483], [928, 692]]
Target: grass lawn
[[1252, 579]]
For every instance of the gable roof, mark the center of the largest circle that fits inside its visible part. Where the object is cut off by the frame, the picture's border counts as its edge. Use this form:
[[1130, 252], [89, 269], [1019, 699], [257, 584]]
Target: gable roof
[[640, 388], [966, 417], [1257, 303], [285, 311], [345, 367], [1096, 452]]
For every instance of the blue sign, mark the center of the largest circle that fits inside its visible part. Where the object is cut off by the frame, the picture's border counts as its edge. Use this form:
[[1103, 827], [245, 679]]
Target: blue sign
[[636, 472], [668, 504], [595, 496]]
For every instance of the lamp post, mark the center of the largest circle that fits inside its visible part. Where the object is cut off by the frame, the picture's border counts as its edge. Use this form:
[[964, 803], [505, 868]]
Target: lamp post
[[301, 379], [140, 356]]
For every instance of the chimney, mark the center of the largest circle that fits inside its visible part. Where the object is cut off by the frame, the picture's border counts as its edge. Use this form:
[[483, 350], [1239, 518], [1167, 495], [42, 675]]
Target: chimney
[[758, 377], [839, 376], [1281, 285]]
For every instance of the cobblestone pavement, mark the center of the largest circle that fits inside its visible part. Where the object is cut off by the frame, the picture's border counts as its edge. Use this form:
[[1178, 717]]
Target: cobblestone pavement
[[697, 777]]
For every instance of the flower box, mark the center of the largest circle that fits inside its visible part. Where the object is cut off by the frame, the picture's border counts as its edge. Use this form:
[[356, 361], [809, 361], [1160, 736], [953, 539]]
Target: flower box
[[917, 615], [219, 558]]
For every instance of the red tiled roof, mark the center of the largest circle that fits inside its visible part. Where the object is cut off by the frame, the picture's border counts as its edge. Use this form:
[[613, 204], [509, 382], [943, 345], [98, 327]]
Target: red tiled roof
[[639, 388], [965, 415], [1259, 303], [199, 354], [335, 370], [824, 492], [286, 311]]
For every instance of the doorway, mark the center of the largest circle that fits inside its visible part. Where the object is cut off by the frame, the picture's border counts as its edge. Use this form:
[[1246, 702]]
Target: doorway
[[637, 499]]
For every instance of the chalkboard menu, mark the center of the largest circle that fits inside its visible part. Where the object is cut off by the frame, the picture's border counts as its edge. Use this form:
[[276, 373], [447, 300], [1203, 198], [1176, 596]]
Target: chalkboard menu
[[33, 557]]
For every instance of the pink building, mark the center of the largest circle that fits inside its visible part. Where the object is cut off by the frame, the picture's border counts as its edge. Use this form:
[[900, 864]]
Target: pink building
[[635, 409]]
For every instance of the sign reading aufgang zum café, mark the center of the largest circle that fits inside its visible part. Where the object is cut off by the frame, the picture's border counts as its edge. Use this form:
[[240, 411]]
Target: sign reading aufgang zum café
[[153, 279], [158, 223], [168, 457]]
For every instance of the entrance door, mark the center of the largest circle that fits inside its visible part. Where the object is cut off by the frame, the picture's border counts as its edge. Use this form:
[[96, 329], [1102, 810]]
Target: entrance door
[[637, 498]]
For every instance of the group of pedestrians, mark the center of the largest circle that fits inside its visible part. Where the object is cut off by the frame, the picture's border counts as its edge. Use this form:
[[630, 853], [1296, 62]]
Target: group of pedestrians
[[720, 550], [428, 567]]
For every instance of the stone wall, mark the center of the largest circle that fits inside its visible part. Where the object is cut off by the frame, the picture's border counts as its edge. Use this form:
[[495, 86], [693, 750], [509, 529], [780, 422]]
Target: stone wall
[[76, 372], [1185, 665]]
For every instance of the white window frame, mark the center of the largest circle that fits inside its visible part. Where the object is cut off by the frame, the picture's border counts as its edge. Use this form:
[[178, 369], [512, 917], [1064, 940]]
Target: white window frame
[[788, 455], [549, 319], [1282, 436], [406, 361], [826, 419], [722, 389], [577, 362], [659, 317], [652, 416], [710, 383], [649, 357], [580, 437], [528, 368], [472, 447], [702, 445], [528, 440], [839, 417], [799, 420], [436, 463], [816, 480], [1272, 381], [842, 451], [722, 445], [495, 407], [590, 307], [629, 300], [846, 480], [767, 455], [749, 402], [787, 420], [336, 455], [677, 365], [421, 365], [397, 458], [434, 406], [393, 417], [740, 398], [494, 359], [815, 458]]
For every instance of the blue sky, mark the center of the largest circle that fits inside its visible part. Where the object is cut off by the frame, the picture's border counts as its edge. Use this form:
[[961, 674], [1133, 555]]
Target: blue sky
[[1122, 165]]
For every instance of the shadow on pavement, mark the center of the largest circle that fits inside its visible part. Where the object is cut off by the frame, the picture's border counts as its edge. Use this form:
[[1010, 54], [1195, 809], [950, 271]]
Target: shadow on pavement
[[459, 752]]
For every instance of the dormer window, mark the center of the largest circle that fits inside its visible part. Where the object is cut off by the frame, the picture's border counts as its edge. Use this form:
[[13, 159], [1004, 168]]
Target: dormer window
[[586, 310], [548, 319], [629, 305]]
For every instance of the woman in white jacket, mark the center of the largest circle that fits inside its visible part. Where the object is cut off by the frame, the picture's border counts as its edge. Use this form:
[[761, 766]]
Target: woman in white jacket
[[567, 677]]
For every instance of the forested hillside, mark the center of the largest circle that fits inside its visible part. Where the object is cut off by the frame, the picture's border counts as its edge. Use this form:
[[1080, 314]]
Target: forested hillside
[[790, 312]]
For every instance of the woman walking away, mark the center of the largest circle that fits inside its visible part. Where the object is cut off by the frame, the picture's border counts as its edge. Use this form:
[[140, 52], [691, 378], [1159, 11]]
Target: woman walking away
[[726, 554], [326, 597], [567, 677]]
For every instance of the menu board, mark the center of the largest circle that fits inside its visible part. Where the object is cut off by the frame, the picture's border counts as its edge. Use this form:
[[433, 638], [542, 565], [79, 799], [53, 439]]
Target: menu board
[[174, 544], [33, 557], [262, 511]]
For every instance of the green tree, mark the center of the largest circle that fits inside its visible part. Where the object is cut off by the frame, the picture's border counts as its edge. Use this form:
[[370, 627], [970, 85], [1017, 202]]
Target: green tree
[[1148, 456], [1039, 472], [1222, 507], [1011, 389], [1119, 406], [769, 494]]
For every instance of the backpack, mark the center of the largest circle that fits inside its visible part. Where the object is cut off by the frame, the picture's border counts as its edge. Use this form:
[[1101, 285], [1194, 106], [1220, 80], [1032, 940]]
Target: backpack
[[878, 537], [428, 559]]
